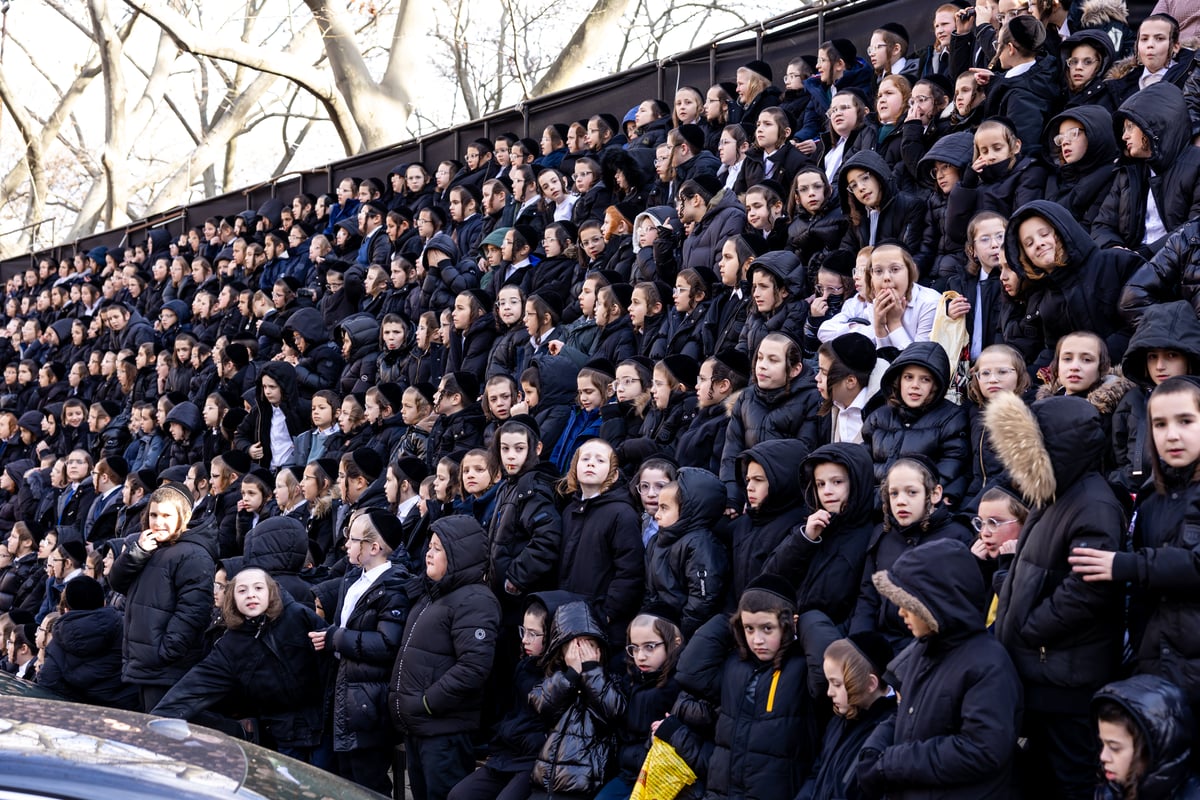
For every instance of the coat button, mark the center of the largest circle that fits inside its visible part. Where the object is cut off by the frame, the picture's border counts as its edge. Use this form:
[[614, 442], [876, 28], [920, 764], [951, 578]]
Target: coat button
[[910, 709]]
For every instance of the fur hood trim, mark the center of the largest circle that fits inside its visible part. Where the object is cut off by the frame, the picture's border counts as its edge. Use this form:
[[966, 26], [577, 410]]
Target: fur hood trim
[[1098, 13], [1123, 67], [729, 402], [1105, 397], [1018, 442], [906, 600]]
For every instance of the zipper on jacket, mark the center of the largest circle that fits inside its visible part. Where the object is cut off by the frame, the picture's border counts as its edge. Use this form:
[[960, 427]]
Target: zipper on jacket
[[771, 694], [403, 650], [1042, 654]]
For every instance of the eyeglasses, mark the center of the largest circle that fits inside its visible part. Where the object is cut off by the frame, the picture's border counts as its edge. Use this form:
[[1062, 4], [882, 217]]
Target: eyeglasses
[[1081, 62], [894, 269], [839, 109], [989, 239], [922, 98], [1070, 136], [648, 648], [990, 524], [871, 48], [939, 169], [627, 382], [527, 633], [855, 185], [1002, 372], [646, 488], [355, 540]]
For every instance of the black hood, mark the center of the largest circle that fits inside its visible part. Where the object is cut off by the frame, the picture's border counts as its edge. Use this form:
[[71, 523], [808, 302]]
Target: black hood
[[780, 460], [1162, 713], [873, 163], [1169, 326], [283, 374], [553, 599], [364, 332], [465, 544], [939, 581], [858, 465], [701, 498], [1076, 240], [571, 621], [1161, 112], [89, 633], [557, 374], [1096, 39], [187, 415], [1097, 125], [278, 545], [930, 355], [785, 266], [203, 533], [1073, 437], [956, 149], [309, 323]]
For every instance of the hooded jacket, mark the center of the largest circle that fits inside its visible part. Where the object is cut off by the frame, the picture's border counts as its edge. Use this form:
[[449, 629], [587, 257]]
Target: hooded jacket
[[1082, 187], [321, 364], [788, 318], [168, 603], [939, 429], [901, 214], [525, 535], [938, 242], [1027, 100], [587, 705], [761, 531], [1172, 172], [954, 735], [1001, 187], [83, 661], [1061, 631], [279, 547], [1172, 274], [469, 349], [445, 279], [1083, 294], [365, 360], [700, 443], [725, 217], [814, 236], [686, 567], [1161, 713], [449, 640], [256, 427], [1094, 92], [1170, 326], [827, 572], [758, 415]]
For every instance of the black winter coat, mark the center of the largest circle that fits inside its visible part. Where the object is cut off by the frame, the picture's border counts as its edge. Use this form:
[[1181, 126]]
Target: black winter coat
[[83, 661], [954, 736], [814, 236], [901, 214], [939, 429], [256, 427], [23, 585], [602, 556], [267, 668], [1028, 100], [469, 349], [1160, 112], [760, 532], [649, 699], [320, 365], [998, 187], [942, 248], [525, 535], [278, 546], [455, 433], [725, 217], [1172, 274], [701, 443], [450, 639], [686, 567], [168, 604], [1082, 187], [1046, 616], [367, 649], [520, 733]]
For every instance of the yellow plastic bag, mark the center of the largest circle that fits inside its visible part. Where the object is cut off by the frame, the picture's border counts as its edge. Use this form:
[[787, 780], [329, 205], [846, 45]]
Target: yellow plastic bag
[[664, 774]]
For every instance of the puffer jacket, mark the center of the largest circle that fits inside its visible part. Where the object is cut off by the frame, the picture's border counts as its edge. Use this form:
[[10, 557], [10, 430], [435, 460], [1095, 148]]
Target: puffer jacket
[[279, 547], [997, 187], [1027, 100], [320, 365], [602, 556], [901, 215], [1161, 113], [365, 360], [267, 666], [449, 641], [1094, 92], [701, 442], [1083, 294], [941, 247], [649, 697], [588, 706], [553, 410], [757, 534], [789, 318], [510, 351], [366, 651], [180, 452], [725, 217], [455, 433], [469, 349], [525, 535], [686, 567], [23, 585], [1170, 326], [168, 603], [814, 236], [1046, 613], [1160, 711], [827, 573], [954, 736], [1082, 187], [938, 429], [1172, 274], [83, 661]]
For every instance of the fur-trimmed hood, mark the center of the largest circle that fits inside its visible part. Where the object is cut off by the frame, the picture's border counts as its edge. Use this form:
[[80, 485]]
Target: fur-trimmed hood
[[1105, 397], [1098, 13], [1045, 447], [940, 582]]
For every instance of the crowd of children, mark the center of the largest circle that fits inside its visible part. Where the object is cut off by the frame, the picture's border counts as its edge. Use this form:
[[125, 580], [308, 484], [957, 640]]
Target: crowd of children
[[742, 427]]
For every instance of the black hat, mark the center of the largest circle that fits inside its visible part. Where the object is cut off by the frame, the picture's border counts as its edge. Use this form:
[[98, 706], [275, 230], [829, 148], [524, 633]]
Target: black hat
[[846, 50], [895, 28], [237, 460], [469, 385], [875, 647], [777, 585], [925, 461], [1028, 33], [710, 183], [644, 367], [232, 419], [369, 463], [111, 408], [856, 351], [735, 360], [857, 92], [663, 611], [941, 81], [412, 468], [176, 474], [693, 134], [811, 61], [708, 276], [485, 300], [761, 68], [238, 354], [1003, 119], [83, 593], [623, 292], [685, 369], [388, 525], [20, 616], [602, 365], [58, 368], [529, 234], [774, 186], [31, 421], [426, 389], [149, 477], [839, 262], [76, 549], [729, 87], [29, 631], [329, 466], [393, 395], [291, 282], [629, 209], [610, 276], [552, 298], [528, 421], [119, 467]]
